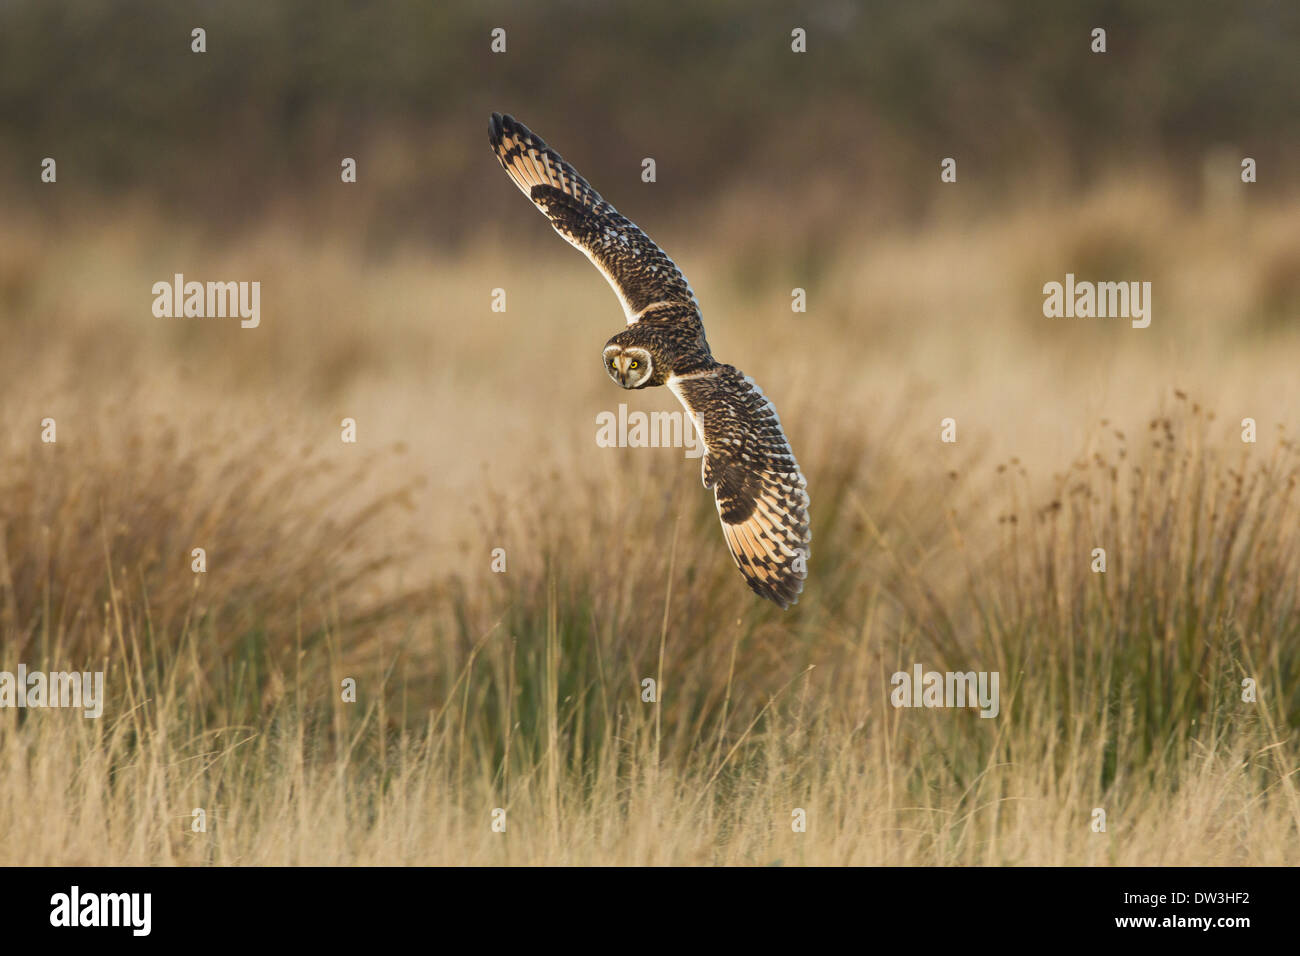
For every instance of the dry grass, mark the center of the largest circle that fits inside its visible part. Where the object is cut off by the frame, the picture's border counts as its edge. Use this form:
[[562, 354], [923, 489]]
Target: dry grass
[[522, 690]]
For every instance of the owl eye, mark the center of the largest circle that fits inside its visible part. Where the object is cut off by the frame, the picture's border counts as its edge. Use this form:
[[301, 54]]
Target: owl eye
[[633, 365]]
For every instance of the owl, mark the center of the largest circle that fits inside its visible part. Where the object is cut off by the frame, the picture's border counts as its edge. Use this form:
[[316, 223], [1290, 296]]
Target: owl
[[761, 494]]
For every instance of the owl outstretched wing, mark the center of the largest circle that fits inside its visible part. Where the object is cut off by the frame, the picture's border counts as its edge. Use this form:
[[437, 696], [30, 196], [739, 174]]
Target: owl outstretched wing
[[761, 494], [638, 270]]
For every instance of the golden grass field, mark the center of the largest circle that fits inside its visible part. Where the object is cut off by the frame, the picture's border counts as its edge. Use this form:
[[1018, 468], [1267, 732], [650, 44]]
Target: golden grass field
[[521, 690]]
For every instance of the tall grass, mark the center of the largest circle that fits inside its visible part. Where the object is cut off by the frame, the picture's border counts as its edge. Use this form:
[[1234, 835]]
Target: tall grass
[[1120, 691]]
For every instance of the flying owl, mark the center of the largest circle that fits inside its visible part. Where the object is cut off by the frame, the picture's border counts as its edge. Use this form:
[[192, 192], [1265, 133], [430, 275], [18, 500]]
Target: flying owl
[[761, 494]]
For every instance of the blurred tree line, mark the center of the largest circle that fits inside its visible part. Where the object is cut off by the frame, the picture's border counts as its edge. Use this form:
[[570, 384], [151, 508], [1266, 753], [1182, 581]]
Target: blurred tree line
[[286, 88]]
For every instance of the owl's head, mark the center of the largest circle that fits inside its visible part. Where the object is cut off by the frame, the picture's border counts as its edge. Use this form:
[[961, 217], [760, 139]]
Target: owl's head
[[628, 365]]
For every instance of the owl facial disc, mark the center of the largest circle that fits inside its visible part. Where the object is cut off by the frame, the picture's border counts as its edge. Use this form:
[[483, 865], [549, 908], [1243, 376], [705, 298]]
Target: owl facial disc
[[629, 367]]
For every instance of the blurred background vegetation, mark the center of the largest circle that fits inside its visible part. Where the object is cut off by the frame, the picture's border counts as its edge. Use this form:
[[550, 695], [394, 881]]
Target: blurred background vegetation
[[711, 90]]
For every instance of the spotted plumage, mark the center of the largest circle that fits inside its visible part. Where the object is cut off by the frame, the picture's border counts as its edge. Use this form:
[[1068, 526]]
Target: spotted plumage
[[760, 492]]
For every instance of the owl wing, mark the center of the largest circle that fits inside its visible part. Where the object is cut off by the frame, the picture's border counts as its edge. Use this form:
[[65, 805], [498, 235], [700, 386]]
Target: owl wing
[[761, 494], [639, 271]]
